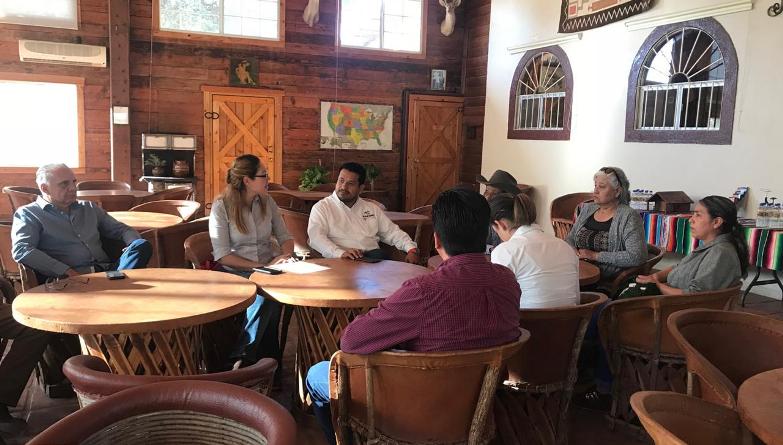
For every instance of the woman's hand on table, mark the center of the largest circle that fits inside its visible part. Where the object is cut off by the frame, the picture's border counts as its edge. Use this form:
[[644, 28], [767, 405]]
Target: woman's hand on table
[[284, 258], [587, 254]]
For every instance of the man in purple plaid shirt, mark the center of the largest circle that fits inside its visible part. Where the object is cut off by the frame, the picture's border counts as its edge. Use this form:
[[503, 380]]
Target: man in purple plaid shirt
[[467, 303]]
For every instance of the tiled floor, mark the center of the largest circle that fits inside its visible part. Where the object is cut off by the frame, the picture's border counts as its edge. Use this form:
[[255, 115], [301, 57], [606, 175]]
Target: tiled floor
[[587, 427]]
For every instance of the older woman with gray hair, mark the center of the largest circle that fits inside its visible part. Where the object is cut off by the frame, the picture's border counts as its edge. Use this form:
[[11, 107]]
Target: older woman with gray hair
[[608, 231]]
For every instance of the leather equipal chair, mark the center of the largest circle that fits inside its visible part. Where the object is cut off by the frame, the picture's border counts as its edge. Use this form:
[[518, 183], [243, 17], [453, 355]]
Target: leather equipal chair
[[170, 242], [641, 352], [113, 203], [176, 412], [654, 255], [178, 207], [676, 419], [10, 270], [198, 249], [378, 203], [93, 380], [532, 405], [176, 193], [723, 349], [296, 223], [289, 202], [562, 212], [20, 196], [371, 395], [103, 185]]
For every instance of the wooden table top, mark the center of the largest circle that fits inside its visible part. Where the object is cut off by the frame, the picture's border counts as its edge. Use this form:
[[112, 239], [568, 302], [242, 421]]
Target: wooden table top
[[134, 193], [760, 405], [306, 196], [147, 300], [403, 218], [146, 220], [588, 273], [345, 284]]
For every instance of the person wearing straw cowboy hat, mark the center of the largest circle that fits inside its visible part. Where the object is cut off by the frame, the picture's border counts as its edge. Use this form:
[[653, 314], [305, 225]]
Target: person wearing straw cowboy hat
[[500, 182]]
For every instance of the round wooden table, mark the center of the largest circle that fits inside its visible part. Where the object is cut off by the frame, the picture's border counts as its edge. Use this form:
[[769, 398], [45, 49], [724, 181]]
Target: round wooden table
[[92, 193], [588, 273], [146, 220], [326, 301], [148, 323], [760, 405]]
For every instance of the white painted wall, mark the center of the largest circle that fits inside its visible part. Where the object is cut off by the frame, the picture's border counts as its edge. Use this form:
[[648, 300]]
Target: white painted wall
[[601, 62]]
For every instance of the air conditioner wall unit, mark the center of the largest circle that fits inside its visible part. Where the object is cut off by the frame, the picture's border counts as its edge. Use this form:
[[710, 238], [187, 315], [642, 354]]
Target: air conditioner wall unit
[[62, 53]]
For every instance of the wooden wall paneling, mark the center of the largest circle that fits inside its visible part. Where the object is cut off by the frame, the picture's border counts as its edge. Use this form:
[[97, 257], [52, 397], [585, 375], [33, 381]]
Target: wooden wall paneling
[[119, 75]]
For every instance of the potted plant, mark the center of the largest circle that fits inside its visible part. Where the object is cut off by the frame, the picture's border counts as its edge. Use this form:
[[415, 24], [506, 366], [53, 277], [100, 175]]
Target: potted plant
[[372, 174], [311, 177], [158, 165]]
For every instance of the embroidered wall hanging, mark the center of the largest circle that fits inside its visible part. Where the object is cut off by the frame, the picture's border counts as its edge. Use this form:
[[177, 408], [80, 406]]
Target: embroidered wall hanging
[[579, 15]]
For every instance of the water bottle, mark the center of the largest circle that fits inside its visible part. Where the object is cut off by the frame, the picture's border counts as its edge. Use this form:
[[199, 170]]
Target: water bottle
[[761, 215]]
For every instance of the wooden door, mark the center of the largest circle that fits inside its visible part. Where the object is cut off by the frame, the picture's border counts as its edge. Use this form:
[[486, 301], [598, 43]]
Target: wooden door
[[434, 147], [240, 121]]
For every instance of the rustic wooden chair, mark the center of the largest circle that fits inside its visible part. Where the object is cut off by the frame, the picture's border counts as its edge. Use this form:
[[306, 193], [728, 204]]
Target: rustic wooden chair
[[19, 196], [641, 352], [178, 207], [170, 242], [93, 380], [328, 187], [289, 202], [103, 185], [275, 186], [614, 285], [182, 192], [676, 419], [371, 395], [562, 211], [177, 412], [198, 249], [114, 203], [296, 223], [378, 203], [723, 349], [10, 270], [532, 405]]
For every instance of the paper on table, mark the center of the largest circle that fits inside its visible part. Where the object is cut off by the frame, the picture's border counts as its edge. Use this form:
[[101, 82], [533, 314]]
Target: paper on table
[[299, 267]]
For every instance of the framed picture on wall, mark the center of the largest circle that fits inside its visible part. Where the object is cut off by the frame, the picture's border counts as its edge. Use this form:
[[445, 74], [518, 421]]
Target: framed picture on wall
[[351, 126], [243, 72], [438, 80]]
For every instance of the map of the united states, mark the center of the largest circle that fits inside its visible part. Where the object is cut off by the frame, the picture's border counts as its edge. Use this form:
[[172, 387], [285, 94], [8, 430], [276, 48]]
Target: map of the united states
[[354, 126]]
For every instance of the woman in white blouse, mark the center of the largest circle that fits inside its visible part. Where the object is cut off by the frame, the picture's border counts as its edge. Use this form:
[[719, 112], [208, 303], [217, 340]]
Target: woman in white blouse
[[242, 224], [546, 267]]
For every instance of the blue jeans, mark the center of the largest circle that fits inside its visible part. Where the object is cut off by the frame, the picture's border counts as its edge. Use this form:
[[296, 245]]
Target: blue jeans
[[135, 256], [259, 331], [317, 383]]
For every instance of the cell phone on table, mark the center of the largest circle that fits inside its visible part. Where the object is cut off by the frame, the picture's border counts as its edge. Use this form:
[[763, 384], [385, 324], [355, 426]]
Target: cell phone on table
[[115, 275], [369, 260], [268, 270]]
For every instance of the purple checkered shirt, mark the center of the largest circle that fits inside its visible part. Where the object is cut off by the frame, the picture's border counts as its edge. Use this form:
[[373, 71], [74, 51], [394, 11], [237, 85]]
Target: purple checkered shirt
[[467, 303]]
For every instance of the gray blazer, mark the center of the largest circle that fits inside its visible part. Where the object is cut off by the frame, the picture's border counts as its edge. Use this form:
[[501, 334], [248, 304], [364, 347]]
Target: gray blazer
[[627, 247]]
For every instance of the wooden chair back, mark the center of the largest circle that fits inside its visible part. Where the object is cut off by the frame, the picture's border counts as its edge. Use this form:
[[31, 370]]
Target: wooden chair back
[[372, 395], [723, 349], [93, 380], [114, 203], [290, 202], [170, 242], [545, 368], [642, 353], [20, 196], [562, 211], [328, 187], [275, 186], [198, 249], [183, 411], [176, 193], [178, 207], [378, 203], [103, 185], [654, 255], [27, 277], [296, 223], [10, 270], [676, 419]]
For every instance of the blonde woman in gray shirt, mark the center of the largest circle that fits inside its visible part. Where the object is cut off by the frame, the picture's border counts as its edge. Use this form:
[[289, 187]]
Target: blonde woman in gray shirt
[[242, 224], [719, 262]]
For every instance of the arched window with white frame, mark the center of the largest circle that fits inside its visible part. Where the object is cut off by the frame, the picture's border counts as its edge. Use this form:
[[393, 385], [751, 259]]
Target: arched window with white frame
[[540, 96], [682, 86]]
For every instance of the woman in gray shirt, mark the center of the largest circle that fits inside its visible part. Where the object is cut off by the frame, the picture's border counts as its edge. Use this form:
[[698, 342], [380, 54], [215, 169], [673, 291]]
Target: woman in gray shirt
[[718, 263], [242, 224]]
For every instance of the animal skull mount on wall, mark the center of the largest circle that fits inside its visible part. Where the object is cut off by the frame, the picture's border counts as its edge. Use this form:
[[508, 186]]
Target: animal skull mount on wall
[[447, 25], [311, 15]]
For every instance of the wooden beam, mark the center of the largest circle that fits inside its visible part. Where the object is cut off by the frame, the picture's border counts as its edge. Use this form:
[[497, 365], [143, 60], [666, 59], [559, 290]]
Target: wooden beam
[[119, 74]]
